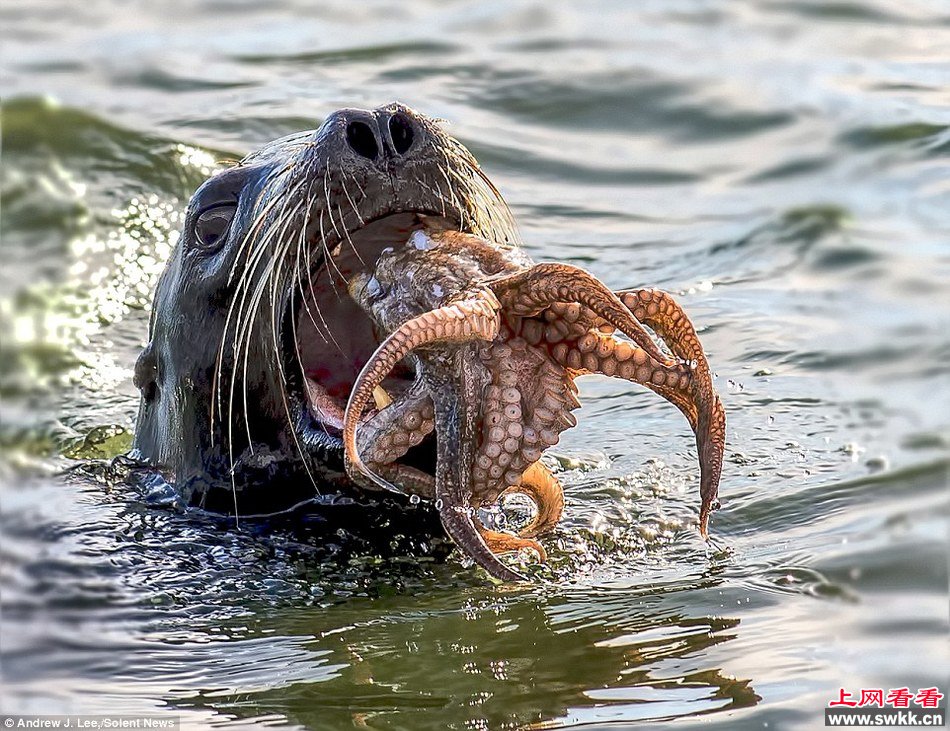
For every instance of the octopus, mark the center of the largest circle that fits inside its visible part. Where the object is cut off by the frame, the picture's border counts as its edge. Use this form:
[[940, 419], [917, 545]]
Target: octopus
[[496, 344]]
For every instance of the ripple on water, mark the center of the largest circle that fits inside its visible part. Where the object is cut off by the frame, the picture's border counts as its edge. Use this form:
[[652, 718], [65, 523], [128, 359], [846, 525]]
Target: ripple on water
[[783, 153]]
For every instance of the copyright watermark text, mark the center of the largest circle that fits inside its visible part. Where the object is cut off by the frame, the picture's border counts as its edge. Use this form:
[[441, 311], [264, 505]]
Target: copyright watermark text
[[88, 722]]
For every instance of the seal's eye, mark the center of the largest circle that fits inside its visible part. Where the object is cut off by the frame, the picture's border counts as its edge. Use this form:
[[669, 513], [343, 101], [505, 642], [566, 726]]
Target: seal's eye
[[212, 225]]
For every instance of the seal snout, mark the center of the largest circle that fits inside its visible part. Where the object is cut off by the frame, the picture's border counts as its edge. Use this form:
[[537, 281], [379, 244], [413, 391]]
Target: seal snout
[[386, 133]]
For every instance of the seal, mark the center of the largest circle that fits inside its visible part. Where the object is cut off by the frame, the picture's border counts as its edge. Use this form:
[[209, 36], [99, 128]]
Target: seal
[[253, 342], [373, 260]]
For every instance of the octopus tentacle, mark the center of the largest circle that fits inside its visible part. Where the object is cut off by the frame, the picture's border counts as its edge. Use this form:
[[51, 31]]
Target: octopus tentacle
[[529, 292], [389, 434], [664, 315], [456, 411], [460, 322], [499, 542], [687, 385], [544, 489], [415, 481]]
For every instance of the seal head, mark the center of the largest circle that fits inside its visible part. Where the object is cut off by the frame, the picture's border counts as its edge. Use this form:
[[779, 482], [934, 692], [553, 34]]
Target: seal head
[[254, 345]]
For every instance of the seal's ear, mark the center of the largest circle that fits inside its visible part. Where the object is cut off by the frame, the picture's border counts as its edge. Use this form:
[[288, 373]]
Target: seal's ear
[[145, 375]]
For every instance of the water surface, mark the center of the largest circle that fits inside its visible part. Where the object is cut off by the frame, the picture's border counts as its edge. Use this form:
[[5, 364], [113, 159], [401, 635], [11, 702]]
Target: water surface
[[781, 166]]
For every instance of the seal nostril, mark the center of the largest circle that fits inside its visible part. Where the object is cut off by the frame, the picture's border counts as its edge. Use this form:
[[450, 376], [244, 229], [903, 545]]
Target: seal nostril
[[400, 129], [360, 137]]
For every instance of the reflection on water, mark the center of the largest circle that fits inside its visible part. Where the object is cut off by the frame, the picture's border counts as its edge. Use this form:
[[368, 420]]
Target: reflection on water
[[782, 167]]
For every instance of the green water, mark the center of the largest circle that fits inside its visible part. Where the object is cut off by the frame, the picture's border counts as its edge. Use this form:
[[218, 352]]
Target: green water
[[783, 167]]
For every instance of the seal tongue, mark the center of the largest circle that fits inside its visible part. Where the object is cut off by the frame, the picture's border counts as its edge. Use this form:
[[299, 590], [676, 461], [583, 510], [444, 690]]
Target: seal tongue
[[456, 419]]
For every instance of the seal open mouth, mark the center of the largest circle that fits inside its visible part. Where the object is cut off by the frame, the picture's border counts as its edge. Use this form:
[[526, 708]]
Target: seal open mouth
[[332, 337]]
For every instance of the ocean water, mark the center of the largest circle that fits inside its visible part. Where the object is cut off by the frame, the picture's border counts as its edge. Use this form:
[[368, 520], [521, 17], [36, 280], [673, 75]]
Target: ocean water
[[782, 167]]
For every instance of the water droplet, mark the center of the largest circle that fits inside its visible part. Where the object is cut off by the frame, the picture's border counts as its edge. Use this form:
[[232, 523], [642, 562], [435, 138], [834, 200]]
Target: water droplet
[[439, 504], [414, 499]]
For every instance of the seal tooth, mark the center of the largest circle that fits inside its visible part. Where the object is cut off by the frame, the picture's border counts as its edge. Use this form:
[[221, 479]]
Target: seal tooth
[[381, 398]]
